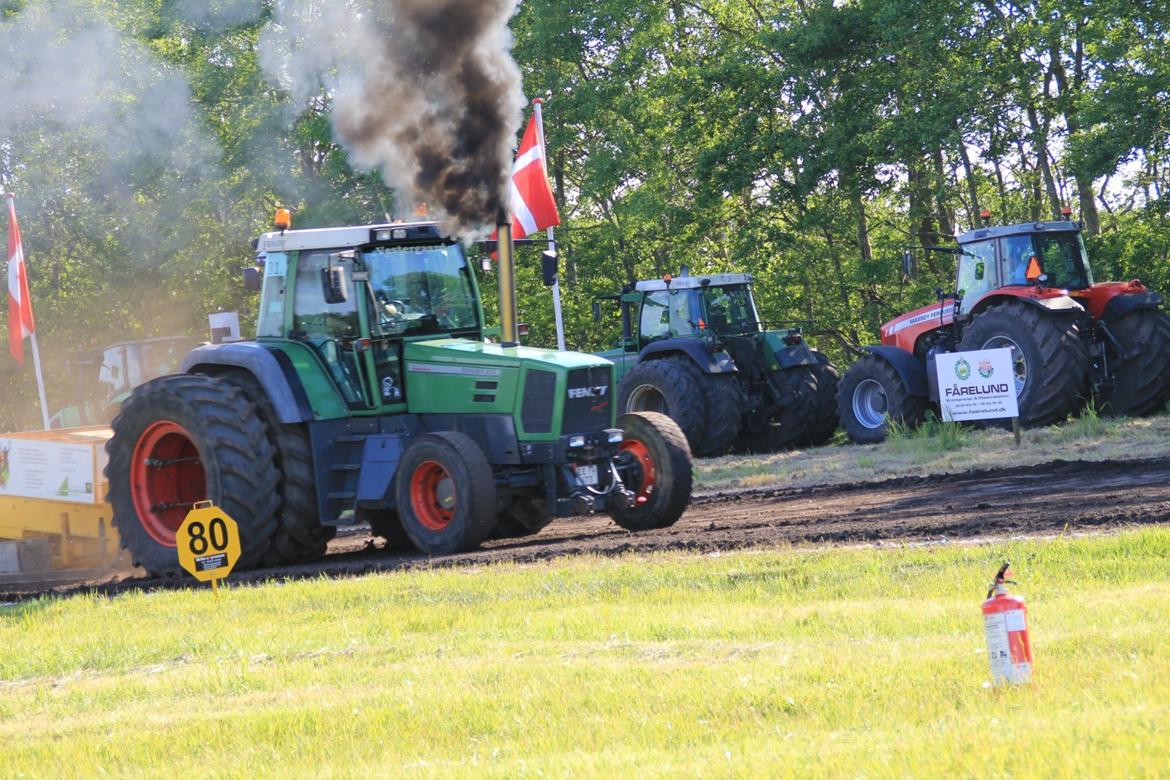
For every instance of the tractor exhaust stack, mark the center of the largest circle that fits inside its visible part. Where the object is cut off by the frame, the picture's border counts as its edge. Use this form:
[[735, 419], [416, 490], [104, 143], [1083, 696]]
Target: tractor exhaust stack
[[504, 247]]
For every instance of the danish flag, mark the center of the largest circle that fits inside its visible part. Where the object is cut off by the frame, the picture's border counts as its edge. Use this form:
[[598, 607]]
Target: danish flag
[[533, 207], [20, 314]]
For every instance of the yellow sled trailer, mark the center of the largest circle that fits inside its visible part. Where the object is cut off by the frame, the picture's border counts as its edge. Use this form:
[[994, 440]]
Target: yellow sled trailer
[[54, 520]]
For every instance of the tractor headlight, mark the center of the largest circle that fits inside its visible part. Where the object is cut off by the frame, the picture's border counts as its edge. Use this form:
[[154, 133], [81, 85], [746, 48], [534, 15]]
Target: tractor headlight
[[577, 440], [614, 435]]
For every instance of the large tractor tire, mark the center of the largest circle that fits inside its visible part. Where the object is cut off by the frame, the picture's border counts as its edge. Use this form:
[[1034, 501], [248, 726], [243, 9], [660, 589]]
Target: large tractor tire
[[1051, 360], [724, 407], [826, 421], [299, 536], [667, 386], [446, 493], [795, 420], [182, 439], [870, 395], [655, 464], [1141, 381]]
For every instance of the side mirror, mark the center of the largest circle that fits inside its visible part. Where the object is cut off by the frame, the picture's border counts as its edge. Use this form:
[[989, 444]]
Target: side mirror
[[597, 311], [548, 267], [334, 284], [909, 265], [252, 279]]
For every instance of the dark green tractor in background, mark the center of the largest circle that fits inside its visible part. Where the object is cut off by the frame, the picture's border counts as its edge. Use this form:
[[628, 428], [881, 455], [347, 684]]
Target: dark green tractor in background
[[694, 348], [370, 395]]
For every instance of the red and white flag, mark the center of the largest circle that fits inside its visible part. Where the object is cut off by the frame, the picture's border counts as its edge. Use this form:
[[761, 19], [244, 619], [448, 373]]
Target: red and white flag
[[20, 314], [533, 207]]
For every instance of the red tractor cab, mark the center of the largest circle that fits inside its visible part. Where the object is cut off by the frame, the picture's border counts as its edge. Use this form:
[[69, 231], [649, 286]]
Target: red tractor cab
[[1028, 288]]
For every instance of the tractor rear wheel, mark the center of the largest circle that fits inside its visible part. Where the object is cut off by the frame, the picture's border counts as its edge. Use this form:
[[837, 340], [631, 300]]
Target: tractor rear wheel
[[825, 422], [1050, 359], [794, 422], [724, 409], [871, 394], [187, 438], [655, 464], [299, 536], [1141, 382], [667, 386], [446, 493]]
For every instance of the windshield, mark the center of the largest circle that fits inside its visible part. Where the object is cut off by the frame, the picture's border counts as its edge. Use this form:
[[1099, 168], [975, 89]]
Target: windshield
[[420, 288], [1062, 256], [730, 309]]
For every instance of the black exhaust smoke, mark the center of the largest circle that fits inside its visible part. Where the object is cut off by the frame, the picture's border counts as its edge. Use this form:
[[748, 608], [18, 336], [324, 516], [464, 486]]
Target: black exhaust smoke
[[435, 105]]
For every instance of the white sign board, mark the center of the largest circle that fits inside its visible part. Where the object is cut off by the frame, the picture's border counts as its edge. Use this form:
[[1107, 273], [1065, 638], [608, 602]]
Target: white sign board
[[48, 469], [976, 385]]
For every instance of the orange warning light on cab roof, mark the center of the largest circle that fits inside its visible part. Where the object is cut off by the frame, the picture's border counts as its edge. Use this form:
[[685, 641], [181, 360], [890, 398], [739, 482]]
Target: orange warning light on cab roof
[[283, 219]]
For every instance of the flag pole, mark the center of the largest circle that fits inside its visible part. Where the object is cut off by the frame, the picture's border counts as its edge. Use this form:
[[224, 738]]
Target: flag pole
[[40, 379], [552, 244]]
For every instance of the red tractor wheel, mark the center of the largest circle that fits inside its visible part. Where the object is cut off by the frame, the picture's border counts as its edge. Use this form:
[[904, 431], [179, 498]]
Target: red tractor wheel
[[1051, 361], [655, 465], [870, 395], [446, 493], [182, 439]]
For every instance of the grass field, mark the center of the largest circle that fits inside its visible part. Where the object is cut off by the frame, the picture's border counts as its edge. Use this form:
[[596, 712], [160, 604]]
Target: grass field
[[940, 448], [850, 662]]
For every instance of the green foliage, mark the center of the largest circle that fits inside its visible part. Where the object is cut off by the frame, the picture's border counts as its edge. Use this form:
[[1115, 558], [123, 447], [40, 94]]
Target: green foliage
[[807, 144]]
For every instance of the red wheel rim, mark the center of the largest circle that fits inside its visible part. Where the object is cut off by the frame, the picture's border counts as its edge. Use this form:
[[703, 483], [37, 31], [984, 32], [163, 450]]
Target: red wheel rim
[[166, 479], [641, 454], [432, 495]]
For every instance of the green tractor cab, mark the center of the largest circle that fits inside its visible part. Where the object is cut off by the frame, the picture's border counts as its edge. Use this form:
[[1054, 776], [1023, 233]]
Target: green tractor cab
[[369, 395], [694, 348]]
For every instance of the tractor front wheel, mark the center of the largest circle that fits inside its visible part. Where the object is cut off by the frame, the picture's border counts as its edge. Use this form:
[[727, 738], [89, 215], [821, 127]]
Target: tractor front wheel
[[670, 387], [446, 493], [182, 439], [1141, 380], [655, 464], [870, 395], [1050, 361]]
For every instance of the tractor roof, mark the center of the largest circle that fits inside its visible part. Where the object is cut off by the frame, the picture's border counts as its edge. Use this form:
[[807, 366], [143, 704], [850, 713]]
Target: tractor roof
[[693, 282], [342, 237], [1015, 230]]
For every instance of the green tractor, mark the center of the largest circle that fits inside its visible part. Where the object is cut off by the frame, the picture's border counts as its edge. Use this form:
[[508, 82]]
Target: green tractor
[[370, 395], [701, 355]]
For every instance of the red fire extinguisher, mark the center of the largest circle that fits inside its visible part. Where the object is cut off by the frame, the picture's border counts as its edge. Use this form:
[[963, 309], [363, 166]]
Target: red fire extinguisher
[[1005, 621]]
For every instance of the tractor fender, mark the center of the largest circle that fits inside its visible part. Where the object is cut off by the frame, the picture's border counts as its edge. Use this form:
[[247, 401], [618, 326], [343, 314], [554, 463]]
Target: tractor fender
[[910, 369], [272, 369], [797, 355], [1120, 305], [707, 361], [1055, 304]]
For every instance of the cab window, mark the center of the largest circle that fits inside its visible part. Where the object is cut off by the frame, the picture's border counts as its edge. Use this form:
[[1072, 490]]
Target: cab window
[[978, 273], [311, 314]]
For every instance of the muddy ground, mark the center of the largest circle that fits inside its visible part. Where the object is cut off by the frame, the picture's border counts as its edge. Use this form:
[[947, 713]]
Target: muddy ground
[[1078, 496]]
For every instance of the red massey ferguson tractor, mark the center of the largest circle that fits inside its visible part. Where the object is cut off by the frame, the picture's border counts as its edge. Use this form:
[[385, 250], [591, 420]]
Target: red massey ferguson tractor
[[1028, 288]]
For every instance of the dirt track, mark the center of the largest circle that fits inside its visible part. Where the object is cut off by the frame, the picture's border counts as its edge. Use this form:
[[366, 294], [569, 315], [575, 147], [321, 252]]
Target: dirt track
[[1031, 500]]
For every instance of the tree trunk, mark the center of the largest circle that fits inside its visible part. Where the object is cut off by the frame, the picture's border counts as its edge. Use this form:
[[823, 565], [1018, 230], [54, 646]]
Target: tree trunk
[[1040, 146]]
